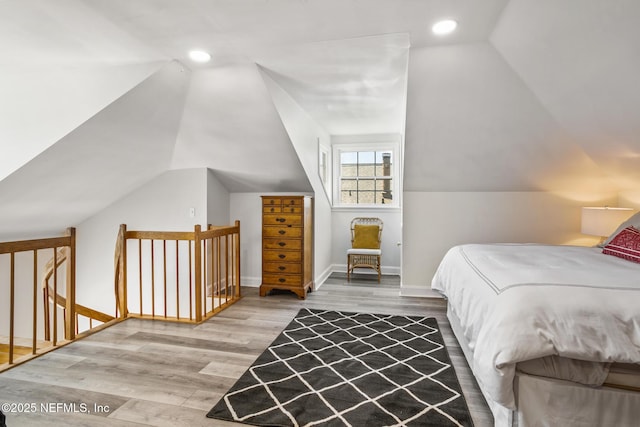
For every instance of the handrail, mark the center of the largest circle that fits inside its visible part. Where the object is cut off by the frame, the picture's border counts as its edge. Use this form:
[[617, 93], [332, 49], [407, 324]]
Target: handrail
[[209, 271], [204, 277], [16, 279], [50, 295]]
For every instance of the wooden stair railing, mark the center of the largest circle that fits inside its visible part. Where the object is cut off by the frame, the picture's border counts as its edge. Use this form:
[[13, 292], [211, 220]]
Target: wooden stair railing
[[23, 276], [51, 296], [202, 278], [22, 250]]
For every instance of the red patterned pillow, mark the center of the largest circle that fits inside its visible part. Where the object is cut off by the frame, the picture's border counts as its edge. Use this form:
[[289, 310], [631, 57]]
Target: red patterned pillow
[[625, 245]]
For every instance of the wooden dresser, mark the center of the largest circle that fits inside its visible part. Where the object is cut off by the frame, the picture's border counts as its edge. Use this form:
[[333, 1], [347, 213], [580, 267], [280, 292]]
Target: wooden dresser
[[287, 244]]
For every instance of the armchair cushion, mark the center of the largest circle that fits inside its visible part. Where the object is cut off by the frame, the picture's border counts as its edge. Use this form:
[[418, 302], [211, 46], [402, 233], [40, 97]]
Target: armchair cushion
[[366, 236], [356, 251]]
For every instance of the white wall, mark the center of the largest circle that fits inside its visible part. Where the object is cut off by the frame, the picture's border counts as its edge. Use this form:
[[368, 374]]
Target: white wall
[[162, 204], [473, 125], [24, 293], [218, 202], [391, 237], [305, 133], [436, 221], [247, 207]]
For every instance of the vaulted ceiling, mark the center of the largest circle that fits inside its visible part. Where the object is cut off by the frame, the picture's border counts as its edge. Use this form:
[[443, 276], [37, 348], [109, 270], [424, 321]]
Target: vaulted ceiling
[[98, 96]]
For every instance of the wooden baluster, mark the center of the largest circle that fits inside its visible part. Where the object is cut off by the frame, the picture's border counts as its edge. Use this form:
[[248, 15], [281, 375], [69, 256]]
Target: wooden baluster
[[55, 297], [190, 283], [239, 286], [164, 272], [12, 305], [177, 281], [215, 266], [140, 273], [34, 345], [153, 282], [70, 291], [226, 268], [198, 267], [47, 313]]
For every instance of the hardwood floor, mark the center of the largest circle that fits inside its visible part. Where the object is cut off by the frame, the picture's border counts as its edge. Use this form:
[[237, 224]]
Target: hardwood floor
[[142, 372]]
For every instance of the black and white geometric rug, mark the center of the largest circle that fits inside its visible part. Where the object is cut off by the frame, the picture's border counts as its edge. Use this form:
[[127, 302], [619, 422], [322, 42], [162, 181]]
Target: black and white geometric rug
[[330, 368]]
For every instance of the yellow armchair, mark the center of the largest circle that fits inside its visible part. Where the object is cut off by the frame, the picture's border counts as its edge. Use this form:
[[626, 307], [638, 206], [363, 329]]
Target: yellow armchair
[[365, 252]]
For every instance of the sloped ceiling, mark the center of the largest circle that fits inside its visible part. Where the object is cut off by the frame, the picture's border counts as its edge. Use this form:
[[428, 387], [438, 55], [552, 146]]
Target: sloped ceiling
[[524, 96], [355, 85], [581, 59], [473, 125], [54, 77], [103, 159], [231, 126]]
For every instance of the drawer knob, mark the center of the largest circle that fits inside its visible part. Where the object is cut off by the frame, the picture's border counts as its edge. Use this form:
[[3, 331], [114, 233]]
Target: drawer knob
[[282, 280], [282, 244], [280, 219], [282, 256], [281, 231], [272, 209], [282, 268]]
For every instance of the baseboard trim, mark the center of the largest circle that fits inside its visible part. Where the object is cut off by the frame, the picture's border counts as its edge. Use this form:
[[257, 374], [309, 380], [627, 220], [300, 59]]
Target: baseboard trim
[[251, 282], [319, 281], [418, 291]]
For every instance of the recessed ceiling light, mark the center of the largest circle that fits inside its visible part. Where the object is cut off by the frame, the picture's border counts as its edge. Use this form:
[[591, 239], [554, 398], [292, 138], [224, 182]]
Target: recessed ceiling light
[[199, 56], [444, 27]]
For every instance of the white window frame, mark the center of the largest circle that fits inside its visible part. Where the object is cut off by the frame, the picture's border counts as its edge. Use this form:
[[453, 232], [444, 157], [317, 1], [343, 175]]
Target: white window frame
[[390, 145]]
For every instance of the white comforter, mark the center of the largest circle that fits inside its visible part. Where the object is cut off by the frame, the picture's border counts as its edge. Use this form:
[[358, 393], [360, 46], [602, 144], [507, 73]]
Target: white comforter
[[522, 302]]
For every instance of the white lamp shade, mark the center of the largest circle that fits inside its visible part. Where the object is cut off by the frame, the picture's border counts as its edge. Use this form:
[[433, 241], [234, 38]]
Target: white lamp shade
[[602, 221]]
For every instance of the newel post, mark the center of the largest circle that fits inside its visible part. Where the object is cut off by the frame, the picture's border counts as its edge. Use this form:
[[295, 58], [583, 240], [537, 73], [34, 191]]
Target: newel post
[[239, 286], [120, 264], [70, 326], [198, 268]]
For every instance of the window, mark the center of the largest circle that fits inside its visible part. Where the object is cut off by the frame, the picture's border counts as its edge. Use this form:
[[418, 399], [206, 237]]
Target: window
[[366, 175]]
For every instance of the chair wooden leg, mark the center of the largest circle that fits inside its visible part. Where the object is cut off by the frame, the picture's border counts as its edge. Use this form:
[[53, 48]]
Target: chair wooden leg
[[348, 266], [379, 270]]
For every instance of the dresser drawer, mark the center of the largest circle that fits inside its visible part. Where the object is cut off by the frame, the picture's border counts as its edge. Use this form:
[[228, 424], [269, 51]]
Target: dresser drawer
[[291, 202], [284, 232], [271, 209], [282, 268], [281, 256], [290, 219], [290, 244], [282, 279], [271, 201], [291, 209]]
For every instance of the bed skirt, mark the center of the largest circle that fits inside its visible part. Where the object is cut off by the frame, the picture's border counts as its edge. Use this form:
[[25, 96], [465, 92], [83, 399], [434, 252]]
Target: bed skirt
[[550, 402]]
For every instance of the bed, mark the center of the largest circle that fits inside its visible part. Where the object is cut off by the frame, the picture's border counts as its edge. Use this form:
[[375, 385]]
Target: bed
[[552, 333]]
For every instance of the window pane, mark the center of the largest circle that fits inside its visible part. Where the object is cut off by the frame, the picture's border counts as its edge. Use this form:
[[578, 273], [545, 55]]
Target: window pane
[[366, 157], [366, 184], [366, 177], [348, 185], [348, 197], [349, 164], [366, 197], [366, 169]]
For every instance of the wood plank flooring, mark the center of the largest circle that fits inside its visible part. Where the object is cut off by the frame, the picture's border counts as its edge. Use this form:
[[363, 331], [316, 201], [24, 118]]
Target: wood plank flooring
[[153, 373]]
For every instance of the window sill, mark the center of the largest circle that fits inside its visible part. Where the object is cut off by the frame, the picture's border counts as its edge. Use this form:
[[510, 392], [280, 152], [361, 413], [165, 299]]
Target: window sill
[[368, 208]]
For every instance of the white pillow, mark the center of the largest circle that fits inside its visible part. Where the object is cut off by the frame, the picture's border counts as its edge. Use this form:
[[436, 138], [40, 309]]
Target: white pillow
[[634, 221]]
